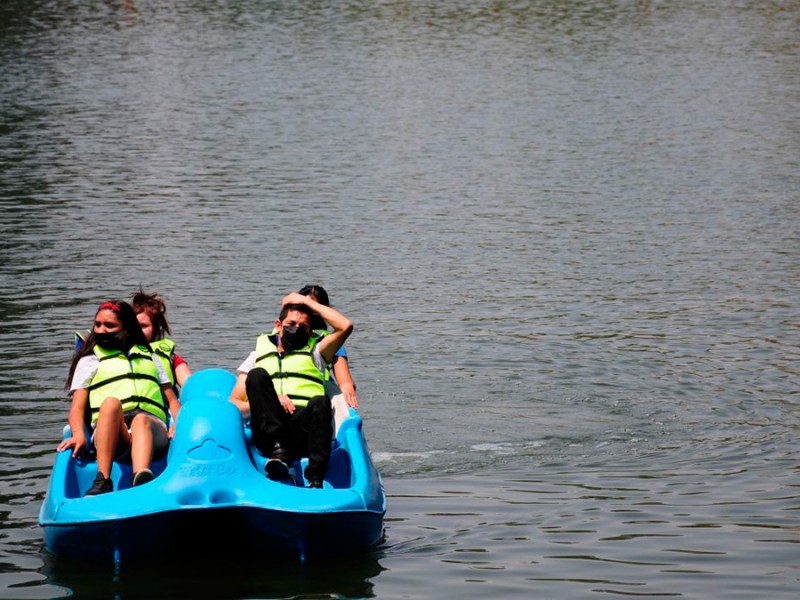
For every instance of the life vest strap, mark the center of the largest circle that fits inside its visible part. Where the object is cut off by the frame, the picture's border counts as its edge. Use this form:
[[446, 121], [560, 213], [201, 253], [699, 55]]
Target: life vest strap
[[139, 400], [272, 353], [100, 384], [298, 376], [133, 355]]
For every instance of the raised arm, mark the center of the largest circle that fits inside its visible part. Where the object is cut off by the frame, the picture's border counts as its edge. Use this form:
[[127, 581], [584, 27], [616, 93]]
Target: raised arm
[[342, 326]]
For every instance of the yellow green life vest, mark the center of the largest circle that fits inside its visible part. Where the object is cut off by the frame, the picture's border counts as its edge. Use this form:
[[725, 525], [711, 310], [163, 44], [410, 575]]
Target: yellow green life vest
[[294, 373], [163, 350], [133, 379]]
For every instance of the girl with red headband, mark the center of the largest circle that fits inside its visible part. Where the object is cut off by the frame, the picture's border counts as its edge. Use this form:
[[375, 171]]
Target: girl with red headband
[[123, 393]]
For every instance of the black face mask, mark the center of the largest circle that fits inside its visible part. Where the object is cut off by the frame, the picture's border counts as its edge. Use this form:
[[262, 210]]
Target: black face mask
[[294, 338], [109, 340]]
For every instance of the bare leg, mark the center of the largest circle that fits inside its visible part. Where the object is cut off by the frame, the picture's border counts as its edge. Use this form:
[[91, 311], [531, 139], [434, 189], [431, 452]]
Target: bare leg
[[110, 431], [147, 434]]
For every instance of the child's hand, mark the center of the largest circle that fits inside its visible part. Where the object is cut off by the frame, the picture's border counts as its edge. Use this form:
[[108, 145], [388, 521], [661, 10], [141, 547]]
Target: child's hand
[[76, 442], [351, 398], [294, 298], [349, 393], [286, 403]]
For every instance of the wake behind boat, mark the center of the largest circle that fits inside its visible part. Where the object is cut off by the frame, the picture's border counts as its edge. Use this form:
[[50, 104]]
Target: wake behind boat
[[211, 495]]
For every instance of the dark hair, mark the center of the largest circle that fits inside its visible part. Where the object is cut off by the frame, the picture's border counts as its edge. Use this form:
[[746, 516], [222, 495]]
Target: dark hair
[[132, 333], [154, 306], [318, 292], [299, 308], [321, 296]]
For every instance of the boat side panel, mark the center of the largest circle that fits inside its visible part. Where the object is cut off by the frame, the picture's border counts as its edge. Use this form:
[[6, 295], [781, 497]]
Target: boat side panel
[[206, 532]]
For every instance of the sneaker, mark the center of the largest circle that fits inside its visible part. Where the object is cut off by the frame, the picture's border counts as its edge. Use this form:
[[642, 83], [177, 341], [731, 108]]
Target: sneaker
[[279, 452], [315, 484], [101, 485], [277, 470], [141, 477]]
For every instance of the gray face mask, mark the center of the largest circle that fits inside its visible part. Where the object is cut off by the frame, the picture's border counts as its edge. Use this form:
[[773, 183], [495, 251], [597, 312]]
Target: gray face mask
[[294, 338]]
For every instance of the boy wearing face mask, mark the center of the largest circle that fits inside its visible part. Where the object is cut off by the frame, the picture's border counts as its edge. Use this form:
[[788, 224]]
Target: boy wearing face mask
[[281, 387]]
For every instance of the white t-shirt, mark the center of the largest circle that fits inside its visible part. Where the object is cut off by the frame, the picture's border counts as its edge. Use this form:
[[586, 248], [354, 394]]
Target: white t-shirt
[[87, 367]]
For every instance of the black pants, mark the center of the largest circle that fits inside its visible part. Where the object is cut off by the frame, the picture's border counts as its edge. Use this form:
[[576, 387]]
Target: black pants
[[306, 432]]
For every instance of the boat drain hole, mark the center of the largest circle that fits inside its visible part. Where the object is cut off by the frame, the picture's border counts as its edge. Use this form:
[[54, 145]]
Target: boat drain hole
[[222, 497], [191, 498]]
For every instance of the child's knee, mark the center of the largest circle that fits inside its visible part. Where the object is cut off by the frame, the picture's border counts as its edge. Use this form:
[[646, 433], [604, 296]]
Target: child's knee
[[321, 405], [141, 421], [257, 376], [111, 406]]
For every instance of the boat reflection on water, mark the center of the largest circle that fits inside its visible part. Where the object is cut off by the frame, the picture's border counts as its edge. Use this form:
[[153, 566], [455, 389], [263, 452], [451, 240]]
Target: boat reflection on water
[[231, 574]]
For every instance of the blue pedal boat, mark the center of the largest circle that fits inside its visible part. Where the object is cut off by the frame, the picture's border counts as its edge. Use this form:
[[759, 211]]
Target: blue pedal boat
[[211, 496]]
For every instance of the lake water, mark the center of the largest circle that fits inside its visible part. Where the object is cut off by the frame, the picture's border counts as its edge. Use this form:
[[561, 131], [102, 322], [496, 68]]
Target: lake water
[[567, 233]]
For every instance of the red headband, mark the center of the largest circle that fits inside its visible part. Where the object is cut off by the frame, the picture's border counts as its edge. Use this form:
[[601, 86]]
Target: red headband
[[109, 306]]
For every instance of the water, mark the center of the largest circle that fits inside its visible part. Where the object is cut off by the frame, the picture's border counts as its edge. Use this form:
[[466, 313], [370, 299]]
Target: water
[[567, 233]]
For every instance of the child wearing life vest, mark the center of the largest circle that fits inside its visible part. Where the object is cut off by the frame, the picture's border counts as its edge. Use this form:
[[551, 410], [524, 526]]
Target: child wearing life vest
[[281, 388], [123, 393], [151, 312], [341, 389]]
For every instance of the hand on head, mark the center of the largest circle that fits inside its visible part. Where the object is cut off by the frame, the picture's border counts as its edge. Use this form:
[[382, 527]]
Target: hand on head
[[294, 298]]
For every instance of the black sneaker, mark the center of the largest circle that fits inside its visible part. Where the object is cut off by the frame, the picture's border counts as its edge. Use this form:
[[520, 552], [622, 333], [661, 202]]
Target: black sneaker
[[315, 484], [101, 485], [277, 470], [279, 452], [141, 477]]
